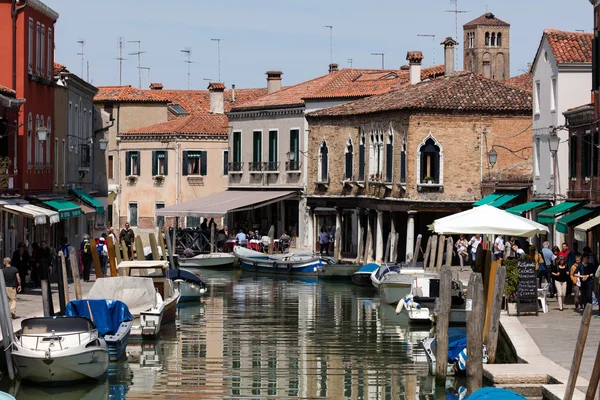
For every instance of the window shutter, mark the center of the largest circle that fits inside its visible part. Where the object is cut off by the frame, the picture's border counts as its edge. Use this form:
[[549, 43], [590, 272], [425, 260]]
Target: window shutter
[[595, 64], [361, 162], [348, 165], [166, 163], [435, 167], [403, 167], [128, 163], [225, 162], [138, 162], [184, 167], [154, 163], [389, 162], [203, 156]]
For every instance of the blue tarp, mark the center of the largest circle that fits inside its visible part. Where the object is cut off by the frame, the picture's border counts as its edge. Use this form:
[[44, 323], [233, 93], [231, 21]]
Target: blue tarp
[[107, 314], [457, 342], [184, 275], [495, 393], [367, 269]]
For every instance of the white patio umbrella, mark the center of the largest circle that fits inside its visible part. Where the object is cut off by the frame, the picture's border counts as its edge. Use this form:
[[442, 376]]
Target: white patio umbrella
[[487, 220]]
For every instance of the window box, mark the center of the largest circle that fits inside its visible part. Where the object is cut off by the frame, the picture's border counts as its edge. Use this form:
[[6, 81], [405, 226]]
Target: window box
[[347, 182], [271, 167], [235, 168], [430, 187], [360, 184], [132, 178], [195, 180], [292, 167], [254, 167], [158, 177], [322, 184]]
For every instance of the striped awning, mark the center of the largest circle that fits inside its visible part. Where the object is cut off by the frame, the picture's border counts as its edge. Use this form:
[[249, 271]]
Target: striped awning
[[38, 217]]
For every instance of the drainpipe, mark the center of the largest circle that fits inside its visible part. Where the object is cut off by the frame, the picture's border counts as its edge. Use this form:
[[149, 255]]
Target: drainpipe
[[14, 11], [177, 166]]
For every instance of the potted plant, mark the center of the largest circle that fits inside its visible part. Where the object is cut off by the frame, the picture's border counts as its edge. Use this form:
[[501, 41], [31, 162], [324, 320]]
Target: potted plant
[[510, 289], [428, 180]]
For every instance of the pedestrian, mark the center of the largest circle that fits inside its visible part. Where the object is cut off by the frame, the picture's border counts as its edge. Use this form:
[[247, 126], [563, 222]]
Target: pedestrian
[[545, 270], [586, 272], [561, 275], [102, 254], [204, 225], [13, 285], [128, 236], [43, 260], [498, 248], [324, 241], [20, 260], [576, 281], [242, 239], [564, 251], [111, 234], [86, 257], [461, 248]]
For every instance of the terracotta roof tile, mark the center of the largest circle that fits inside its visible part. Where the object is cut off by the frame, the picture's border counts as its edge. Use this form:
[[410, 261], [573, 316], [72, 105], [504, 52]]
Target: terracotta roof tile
[[129, 94], [464, 91], [523, 82], [58, 68], [195, 124], [216, 86], [570, 47], [487, 19], [7, 92]]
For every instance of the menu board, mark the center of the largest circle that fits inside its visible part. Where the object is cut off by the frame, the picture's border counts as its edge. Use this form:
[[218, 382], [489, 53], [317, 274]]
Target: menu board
[[527, 287]]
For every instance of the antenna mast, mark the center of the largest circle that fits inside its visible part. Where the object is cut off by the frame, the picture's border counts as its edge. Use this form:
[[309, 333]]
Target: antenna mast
[[120, 58], [433, 37], [218, 55], [82, 43], [330, 43], [456, 11], [350, 62], [382, 58], [139, 56], [188, 53]]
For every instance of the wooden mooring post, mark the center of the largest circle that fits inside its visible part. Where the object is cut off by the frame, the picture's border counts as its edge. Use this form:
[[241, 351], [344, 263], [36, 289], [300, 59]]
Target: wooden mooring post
[[161, 242], [578, 354], [338, 245], [427, 254], [449, 250], [96, 258], [440, 253], [65, 279], [75, 272], [170, 249], [6, 327], [360, 249], [433, 252], [271, 238], [47, 305], [595, 378], [475, 322], [124, 250], [388, 248], [416, 252], [111, 255], [494, 330], [441, 325], [154, 246], [139, 249]]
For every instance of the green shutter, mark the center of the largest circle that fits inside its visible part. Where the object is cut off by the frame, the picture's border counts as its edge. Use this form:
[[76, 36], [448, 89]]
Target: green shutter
[[154, 163], [237, 147], [203, 162], [128, 163], [272, 146], [166, 153], [184, 166], [225, 162], [138, 162], [257, 147]]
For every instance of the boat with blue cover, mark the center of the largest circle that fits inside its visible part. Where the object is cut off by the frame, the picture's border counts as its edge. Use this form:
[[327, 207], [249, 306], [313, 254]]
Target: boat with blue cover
[[362, 277], [496, 394], [112, 319], [191, 287], [457, 352], [287, 264]]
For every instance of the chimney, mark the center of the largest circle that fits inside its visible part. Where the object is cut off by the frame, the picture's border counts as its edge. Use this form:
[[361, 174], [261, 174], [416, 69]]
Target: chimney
[[333, 68], [273, 81], [156, 86], [415, 58], [233, 93], [216, 90], [449, 44]]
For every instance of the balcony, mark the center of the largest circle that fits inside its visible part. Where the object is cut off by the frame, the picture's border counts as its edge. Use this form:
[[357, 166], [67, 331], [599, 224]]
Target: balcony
[[271, 167], [255, 167], [235, 167], [292, 167]]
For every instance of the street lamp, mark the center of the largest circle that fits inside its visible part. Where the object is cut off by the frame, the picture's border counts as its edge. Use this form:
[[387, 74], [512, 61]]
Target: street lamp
[[42, 133], [553, 142], [492, 157], [103, 143], [290, 156]]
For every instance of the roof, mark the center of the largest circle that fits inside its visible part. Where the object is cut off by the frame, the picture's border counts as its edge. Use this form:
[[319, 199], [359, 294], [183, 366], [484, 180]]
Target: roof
[[216, 86], [58, 68], [487, 19], [7, 92], [195, 124], [464, 92], [123, 94], [523, 82], [345, 83], [570, 47]]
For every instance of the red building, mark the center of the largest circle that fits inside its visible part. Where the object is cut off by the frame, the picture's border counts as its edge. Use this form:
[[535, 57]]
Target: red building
[[27, 52]]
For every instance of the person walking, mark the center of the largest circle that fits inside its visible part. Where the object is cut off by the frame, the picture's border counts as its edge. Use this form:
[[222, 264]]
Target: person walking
[[324, 240], [20, 260], [43, 259], [474, 243], [102, 254], [128, 236], [86, 257], [498, 248], [13, 285], [461, 248], [561, 274], [586, 272], [576, 282], [549, 258]]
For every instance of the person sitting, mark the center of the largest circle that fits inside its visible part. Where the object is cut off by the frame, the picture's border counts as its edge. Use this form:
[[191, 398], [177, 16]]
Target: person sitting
[[242, 239], [284, 242], [518, 252], [221, 238]]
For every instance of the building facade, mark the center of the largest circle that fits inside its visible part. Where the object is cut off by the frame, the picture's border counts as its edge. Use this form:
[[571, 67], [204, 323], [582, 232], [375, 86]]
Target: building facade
[[487, 47]]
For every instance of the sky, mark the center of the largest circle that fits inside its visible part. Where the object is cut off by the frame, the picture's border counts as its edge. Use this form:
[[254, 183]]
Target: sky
[[261, 35]]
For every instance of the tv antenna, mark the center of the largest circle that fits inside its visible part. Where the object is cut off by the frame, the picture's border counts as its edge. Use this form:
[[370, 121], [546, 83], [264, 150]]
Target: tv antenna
[[82, 43], [120, 58], [218, 56], [382, 58], [456, 11], [330, 27], [139, 57], [145, 68], [350, 62], [188, 54], [433, 37]]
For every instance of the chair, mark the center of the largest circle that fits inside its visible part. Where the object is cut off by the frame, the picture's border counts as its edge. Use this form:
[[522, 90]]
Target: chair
[[542, 292]]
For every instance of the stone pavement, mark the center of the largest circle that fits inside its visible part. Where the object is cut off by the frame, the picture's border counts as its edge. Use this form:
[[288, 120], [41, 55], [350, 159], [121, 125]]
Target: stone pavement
[[556, 332]]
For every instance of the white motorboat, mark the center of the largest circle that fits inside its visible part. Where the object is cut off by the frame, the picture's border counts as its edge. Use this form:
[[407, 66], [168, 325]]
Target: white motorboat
[[213, 260], [60, 351], [190, 285], [393, 287], [287, 263], [148, 292], [387, 270]]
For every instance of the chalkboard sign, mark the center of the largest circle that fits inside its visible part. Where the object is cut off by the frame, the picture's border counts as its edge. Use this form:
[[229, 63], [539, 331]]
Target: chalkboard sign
[[527, 286]]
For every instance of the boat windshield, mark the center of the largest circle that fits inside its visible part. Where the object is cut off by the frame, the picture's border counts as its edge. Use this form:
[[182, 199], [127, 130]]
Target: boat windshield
[[39, 326], [385, 269]]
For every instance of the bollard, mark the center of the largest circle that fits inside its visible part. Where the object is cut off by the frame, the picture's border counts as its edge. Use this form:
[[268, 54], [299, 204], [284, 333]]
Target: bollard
[[492, 339], [441, 325], [75, 272], [475, 321]]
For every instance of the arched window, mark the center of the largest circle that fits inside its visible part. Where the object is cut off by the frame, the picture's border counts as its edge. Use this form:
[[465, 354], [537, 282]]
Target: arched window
[[323, 162], [499, 40], [29, 138], [36, 144], [40, 148], [403, 160], [493, 40], [430, 164], [48, 139], [389, 155], [471, 40], [376, 153], [349, 167], [361, 155], [487, 38]]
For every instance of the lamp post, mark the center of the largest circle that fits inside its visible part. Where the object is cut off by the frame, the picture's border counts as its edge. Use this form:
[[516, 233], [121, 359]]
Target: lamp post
[[492, 157], [42, 133], [553, 143], [102, 143]]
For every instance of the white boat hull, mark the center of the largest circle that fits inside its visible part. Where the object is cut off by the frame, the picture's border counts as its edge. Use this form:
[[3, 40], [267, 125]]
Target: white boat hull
[[215, 260], [190, 291]]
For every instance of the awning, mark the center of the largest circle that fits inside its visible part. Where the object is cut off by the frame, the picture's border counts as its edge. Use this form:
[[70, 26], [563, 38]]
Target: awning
[[505, 198], [65, 208], [38, 217], [581, 230], [532, 205], [87, 210], [88, 199], [562, 225], [547, 216], [219, 204], [489, 199], [497, 199], [52, 215]]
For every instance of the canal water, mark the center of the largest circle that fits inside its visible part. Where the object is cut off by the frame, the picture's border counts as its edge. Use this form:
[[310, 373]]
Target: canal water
[[259, 337]]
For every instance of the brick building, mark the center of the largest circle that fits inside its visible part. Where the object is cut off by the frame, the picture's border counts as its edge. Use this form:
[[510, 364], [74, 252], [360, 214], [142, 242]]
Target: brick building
[[419, 153], [487, 47]]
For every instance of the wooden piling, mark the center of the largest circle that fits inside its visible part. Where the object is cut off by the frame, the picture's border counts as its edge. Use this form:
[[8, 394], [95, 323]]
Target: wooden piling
[[388, 248], [395, 244], [416, 252], [6, 327], [117, 251], [212, 240], [124, 250], [62, 305], [475, 321], [154, 246], [139, 249], [492, 335], [271, 238], [359, 250], [427, 253], [338, 244], [170, 246], [65, 279], [433, 252], [441, 325], [75, 272], [161, 243], [111, 256], [368, 255], [96, 259], [578, 354], [595, 378], [440, 253], [489, 292], [449, 250], [47, 305]]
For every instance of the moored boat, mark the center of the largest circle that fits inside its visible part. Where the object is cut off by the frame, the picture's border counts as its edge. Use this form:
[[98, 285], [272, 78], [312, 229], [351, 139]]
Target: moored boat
[[112, 319], [288, 263], [362, 277], [337, 271], [190, 285], [60, 351], [213, 260], [457, 352], [393, 287]]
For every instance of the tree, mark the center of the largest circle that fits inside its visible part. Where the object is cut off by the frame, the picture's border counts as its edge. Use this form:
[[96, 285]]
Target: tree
[[4, 166]]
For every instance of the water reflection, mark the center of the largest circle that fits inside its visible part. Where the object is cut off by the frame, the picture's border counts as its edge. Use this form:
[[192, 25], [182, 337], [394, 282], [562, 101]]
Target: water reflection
[[255, 337]]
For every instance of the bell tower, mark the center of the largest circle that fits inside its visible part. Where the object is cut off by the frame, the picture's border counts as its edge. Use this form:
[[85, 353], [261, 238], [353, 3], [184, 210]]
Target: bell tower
[[487, 47]]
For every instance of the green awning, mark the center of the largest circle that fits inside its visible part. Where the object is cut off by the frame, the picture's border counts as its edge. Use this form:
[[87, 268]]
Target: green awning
[[547, 216], [489, 199], [88, 199], [562, 225], [65, 208], [532, 205], [505, 198], [497, 199]]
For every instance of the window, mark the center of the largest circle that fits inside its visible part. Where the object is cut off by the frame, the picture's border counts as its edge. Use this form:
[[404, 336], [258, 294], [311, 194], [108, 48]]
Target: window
[[132, 163], [36, 142], [159, 219], [487, 39], [177, 110], [403, 160], [323, 162], [389, 155], [64, 163], [38, 43], [236, 165], [56, 158], [160, 163], [376, 154], [349, 160], [29, 138], [499, 40], [48, 139], [133, 214], [194, 162], [70, 126], [536, 100], [192, 222], [109, 109], [86, 156], [294, 150], [273, 164], [585, 155], [537, 155], [42, 51], [30, 44], [361, 156], [430, 163], [553, 94], [49, 66], [257, 146], [76, 134], [111, 171], [225, 162], [493, 42]]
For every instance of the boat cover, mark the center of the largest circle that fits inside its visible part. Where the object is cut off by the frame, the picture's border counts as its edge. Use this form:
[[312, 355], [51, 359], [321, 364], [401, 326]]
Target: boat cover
[[185, 275], [367, 269], [457, 342], [138, 293], [106, 314], [495, 393], [386, 269]]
